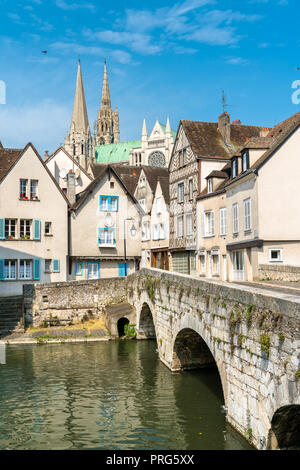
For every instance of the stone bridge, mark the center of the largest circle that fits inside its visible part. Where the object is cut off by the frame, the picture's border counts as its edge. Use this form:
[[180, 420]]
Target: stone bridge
[[252, 336]]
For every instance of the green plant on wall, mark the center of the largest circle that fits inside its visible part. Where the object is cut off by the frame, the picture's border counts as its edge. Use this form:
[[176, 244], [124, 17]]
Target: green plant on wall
[[265, 344], [130, 330]]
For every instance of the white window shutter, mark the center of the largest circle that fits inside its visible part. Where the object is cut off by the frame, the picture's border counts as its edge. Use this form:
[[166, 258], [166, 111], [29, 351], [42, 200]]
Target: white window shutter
[[203, 224]]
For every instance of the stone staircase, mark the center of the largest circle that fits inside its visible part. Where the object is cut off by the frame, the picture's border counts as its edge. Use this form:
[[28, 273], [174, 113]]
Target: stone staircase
[[11, 315]]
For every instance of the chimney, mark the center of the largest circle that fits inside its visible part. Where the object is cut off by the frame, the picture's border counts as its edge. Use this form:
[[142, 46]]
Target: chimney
[[237, 122], [224, 126], [71, 195], [264, 131], [46, 154]]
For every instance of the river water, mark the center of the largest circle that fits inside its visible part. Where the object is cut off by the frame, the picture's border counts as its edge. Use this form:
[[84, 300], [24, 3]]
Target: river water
[[110, 395]]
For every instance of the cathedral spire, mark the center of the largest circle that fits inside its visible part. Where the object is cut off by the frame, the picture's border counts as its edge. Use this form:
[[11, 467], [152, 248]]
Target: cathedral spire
[[79, 116], [79, 142], [105, 99]]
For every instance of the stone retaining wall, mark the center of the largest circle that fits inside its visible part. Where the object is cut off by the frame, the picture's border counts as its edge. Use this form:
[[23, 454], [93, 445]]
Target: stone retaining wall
[[279, 272], [71, 301]]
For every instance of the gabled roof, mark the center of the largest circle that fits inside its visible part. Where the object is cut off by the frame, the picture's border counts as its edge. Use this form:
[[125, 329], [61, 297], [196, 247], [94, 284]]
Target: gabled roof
[[279, 135], [206, 141], [152, 174], [70, 157], [164, 184], [9, 157]]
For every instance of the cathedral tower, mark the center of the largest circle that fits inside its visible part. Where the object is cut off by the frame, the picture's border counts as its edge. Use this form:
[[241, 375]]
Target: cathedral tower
[[107, 130], [79, 142]]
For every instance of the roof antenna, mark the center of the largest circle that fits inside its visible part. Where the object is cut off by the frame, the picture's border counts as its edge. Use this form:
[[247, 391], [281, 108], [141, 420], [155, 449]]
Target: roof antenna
[[224, 103]]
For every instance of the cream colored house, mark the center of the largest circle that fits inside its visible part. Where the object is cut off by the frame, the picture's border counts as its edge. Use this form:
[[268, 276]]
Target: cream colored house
[[60, 163], [261, 198], [105, 227], [159, 223], [33, 222], [145, 194]]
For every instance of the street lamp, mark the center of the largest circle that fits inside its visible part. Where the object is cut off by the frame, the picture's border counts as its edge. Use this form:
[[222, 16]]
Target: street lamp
[[133, 234]]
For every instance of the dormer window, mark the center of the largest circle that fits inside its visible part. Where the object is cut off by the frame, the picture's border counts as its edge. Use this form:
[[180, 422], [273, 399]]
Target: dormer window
[[234, 168], [245, 161], [209, 185]]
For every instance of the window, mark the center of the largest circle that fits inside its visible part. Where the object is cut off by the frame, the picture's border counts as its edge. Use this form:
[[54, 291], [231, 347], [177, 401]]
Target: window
[[245, 161], [10, 228], [48, 228], [112, 185], [25, 229], [180, 226], [23, 189], [155, 232], [223, 221], [189, 224], [247, 214], [180, 159], [191, 190], [216, 264], [109, 203], [202, 264], [234, 168], [106, 237], [103, 203], [93, 270], [181, 192], [10, 269], [275, 255], [209, 185], [208, 224], [142, 203], [235, 209], [114, 204], [25, 269], [48, 263], [158, 205], [78, 269], [33, 189], [145, 231]]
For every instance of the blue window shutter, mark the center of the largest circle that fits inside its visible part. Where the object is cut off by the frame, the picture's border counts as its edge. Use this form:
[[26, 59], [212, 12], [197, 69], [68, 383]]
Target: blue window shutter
[[164, 231], [158, 231], [36, 269], [78, 269], [2, 229], [36, 229], [1, 269], [98, 270], [87, 270], [55, 266], [121, 270]]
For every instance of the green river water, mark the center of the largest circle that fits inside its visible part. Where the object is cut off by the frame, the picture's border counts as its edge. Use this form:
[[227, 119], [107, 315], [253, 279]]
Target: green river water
[[108, 395]]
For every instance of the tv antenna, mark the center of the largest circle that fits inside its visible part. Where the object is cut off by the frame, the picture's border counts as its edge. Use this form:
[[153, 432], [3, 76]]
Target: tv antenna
[[224, 103]]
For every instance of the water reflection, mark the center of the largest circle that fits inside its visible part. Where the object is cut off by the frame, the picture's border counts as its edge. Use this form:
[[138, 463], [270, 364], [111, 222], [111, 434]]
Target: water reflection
[[114, 395]]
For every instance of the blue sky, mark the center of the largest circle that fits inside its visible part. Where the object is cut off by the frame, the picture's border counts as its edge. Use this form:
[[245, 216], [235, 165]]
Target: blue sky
[[164, 59]]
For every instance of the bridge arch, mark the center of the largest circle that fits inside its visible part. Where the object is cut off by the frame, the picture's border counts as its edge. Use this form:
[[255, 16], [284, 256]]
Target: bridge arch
[[192, 350], [146, 325], [122, 322], [285, 429]]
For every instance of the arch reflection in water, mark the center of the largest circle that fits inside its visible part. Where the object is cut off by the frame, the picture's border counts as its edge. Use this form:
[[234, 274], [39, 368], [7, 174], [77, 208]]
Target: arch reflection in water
[[112, 395], [146, 323]]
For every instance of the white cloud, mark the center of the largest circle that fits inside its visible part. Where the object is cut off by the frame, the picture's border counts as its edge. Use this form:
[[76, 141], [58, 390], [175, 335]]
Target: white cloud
[[74, 6]]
